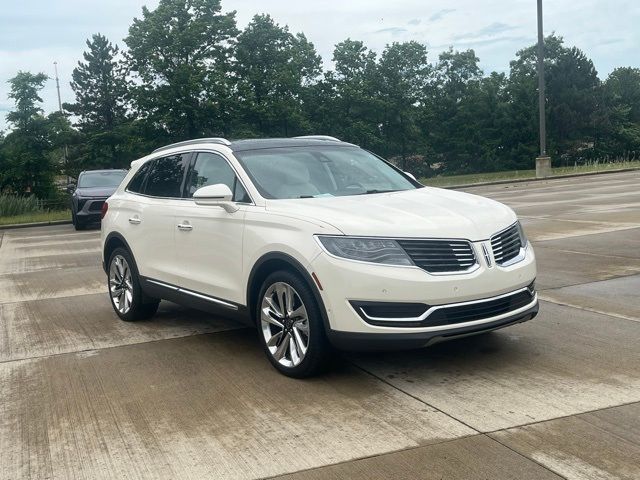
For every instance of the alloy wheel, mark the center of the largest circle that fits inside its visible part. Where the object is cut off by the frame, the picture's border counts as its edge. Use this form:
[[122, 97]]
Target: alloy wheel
[[120, 284], [285, 324]]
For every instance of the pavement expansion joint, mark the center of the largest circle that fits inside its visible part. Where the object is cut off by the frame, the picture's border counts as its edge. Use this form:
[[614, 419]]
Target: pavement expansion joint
[[587, 309], [99, 349]]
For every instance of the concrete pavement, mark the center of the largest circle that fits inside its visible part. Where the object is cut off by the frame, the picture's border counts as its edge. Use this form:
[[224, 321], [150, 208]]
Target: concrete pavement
[[187, 395]]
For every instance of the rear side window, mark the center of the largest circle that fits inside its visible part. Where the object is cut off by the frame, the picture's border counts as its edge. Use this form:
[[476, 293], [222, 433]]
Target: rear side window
[[211, 169], [137, 182], [165, 177]]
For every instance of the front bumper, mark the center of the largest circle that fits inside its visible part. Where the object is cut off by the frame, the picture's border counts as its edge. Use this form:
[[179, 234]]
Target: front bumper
[[89, 209], [354, 341], [348, 284]]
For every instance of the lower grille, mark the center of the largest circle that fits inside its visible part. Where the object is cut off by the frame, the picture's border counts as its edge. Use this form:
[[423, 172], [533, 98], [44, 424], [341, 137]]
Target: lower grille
[[440, 256], [389, 314], [479, 311]]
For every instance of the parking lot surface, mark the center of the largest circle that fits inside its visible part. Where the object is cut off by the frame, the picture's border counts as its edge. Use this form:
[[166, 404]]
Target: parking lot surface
[[187, 395]]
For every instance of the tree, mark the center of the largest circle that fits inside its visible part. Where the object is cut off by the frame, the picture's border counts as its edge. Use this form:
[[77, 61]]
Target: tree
[[453, 110], [620, 104], [24, 92], [27, 168], [100, 89], [273, 69], [352, 101], [571, 87], [178, 59], [403, 73]]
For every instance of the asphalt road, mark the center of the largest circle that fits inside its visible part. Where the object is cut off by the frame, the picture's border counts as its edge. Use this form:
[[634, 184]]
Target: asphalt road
[[84, 395]]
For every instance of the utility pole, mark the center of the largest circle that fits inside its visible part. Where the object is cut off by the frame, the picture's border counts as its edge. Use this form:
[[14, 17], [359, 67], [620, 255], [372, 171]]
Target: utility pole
[[543, 162], [64, 152], [55, 66]]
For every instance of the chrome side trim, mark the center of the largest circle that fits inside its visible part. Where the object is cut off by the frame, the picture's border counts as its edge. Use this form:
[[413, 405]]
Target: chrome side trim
[[208, 298], [434, 308], [194, 294], [162, 284]]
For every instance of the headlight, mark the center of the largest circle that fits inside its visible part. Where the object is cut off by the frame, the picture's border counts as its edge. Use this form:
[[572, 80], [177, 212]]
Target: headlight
[[374, 250], [523, 238]]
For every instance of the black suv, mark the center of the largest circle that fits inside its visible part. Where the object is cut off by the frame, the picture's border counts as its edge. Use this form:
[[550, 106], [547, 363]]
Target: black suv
[[94, 187]]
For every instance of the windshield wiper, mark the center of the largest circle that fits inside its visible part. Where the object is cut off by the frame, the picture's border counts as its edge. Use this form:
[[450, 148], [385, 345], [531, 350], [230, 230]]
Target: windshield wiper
[[377, 191]]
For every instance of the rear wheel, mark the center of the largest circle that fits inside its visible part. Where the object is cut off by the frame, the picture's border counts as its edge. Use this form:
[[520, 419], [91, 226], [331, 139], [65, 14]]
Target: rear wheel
[[290, 326], [127, 298]]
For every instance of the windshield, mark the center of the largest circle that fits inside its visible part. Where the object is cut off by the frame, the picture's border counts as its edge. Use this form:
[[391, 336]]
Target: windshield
[[101, 179], [306, 172]]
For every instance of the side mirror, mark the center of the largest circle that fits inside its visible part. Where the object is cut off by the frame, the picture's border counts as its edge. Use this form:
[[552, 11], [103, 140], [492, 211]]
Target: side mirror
[[71, 188], [218, 195], [410, 175]]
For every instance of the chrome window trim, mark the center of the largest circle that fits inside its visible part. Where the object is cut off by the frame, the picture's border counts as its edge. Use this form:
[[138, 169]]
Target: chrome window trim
[[434, 308], [186, 151]]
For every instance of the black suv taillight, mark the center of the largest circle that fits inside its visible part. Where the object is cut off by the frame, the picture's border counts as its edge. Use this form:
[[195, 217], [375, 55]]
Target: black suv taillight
[[103, 211]]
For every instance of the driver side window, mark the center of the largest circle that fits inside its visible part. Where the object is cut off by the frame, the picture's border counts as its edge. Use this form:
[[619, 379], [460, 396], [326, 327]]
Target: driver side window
[[211, 169]]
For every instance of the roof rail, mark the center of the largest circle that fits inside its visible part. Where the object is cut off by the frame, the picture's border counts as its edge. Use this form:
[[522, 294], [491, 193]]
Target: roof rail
[[319, 137], [216, 140]]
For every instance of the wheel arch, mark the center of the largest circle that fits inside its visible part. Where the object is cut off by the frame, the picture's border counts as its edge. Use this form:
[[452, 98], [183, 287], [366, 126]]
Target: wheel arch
[[113, 241], [272, 262]]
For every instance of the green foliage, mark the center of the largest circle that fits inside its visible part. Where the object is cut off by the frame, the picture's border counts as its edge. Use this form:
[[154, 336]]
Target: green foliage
[[346, 102], [273, 69], [188, 72], [11, 205], [26, 167], [100, 88], [179, 59], [24, 92]]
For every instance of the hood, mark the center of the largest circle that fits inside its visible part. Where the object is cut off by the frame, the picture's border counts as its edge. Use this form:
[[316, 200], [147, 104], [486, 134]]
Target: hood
[[96, 191], [425, 212]]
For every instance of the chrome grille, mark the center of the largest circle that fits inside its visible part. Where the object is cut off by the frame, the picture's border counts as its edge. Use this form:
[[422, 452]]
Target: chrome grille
[[440, 256], [506, 244]]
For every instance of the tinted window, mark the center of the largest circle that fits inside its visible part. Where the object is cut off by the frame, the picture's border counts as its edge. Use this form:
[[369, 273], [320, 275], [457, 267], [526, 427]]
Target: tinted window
[[137, 182], [101, 179], [211, 169], [165, 177]]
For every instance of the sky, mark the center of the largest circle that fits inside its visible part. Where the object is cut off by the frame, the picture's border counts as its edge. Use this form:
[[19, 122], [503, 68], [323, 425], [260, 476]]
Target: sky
[[35, 33]]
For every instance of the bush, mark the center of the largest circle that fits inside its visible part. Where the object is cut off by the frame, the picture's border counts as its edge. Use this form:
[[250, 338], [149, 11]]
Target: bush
[[11, 205]]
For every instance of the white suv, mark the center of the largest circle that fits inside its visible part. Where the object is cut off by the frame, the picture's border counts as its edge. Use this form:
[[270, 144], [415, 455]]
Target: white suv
[[318, 243]]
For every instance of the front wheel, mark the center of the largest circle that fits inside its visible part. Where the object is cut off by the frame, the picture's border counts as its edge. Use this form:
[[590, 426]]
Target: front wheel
[[76, 223], [127, 298], [290, 326]]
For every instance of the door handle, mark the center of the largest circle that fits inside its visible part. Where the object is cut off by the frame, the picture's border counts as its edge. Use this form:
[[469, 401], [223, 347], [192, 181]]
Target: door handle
[[134, 220], [185, 227]]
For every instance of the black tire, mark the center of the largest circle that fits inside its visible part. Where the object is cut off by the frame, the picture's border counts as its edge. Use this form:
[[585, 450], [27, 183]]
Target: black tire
[[141, 307], [318, 353], [76, 223]]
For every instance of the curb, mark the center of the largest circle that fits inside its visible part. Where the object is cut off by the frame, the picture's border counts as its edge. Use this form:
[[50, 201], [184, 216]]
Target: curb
[[34, 224], [451, 187], [533, 179]]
